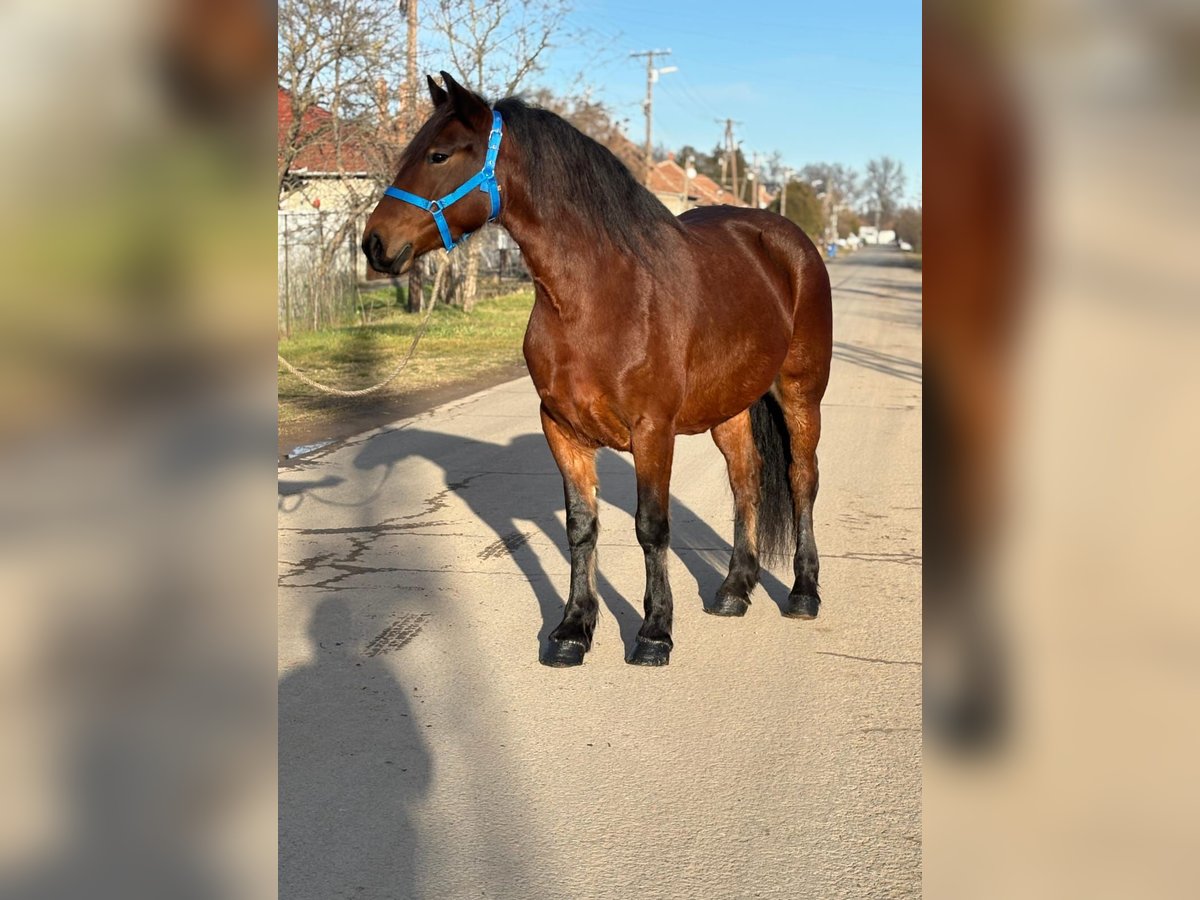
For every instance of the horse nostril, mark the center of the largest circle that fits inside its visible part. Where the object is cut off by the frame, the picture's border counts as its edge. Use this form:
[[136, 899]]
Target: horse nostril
[[372, 247]]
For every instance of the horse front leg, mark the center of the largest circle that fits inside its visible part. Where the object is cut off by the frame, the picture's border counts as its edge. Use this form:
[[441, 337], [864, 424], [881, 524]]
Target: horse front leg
[[653, 449], [573, 637]]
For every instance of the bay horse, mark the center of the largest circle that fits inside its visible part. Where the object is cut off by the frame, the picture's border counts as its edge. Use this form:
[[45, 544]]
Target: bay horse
[[644, 326]]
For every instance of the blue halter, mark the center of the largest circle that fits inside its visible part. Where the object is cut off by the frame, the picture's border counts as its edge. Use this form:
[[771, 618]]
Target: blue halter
[[484, 179]]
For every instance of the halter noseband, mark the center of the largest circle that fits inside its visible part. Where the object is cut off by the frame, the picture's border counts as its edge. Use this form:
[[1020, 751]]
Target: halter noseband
[[484, 179]]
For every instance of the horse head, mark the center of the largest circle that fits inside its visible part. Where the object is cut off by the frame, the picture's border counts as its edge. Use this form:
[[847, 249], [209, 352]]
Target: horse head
[[445, 187]]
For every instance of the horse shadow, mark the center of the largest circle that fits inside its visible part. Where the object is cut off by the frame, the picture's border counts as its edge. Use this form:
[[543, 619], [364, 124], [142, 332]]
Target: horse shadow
[[504, 507], [877, 361], [352, 767]]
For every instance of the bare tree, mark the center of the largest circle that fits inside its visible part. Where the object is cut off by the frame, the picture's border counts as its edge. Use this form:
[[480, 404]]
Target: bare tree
[[595, 119], [885, 185], [332, 55], [495, 45], [841, 180], [838, 187], [416, 298], [339, 62], [774, 170]]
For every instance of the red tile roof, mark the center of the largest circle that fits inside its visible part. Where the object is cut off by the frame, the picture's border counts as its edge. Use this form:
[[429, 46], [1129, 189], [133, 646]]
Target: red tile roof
[[668, 177], [713, 194], [318, 153], [627, 152]]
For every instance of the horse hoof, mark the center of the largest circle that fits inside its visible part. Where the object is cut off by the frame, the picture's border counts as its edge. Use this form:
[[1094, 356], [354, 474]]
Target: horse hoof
[[728, 605], [562, 654], [802, 606], [650, 653]]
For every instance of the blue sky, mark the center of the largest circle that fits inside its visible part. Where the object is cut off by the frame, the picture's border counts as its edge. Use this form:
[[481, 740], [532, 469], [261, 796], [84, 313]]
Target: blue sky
[[819, 82]]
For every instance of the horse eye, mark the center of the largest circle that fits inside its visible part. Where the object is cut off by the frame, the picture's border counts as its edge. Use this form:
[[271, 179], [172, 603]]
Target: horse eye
[[437, 158]]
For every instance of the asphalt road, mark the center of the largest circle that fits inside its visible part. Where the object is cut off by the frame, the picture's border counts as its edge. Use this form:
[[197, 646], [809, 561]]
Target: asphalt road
[[424, 752]]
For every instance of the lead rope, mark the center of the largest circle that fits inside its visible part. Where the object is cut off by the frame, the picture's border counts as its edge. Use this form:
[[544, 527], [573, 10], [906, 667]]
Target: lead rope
[[362, 392]]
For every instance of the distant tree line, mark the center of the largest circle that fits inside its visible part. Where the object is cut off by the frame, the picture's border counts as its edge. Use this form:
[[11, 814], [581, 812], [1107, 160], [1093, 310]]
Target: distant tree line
[[822, 194]]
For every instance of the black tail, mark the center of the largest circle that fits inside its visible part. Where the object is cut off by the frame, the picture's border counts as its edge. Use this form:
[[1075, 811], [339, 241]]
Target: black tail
[[776, 512]]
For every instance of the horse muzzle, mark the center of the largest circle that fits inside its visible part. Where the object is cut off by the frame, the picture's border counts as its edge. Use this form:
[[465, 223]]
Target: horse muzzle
[[375, 251]]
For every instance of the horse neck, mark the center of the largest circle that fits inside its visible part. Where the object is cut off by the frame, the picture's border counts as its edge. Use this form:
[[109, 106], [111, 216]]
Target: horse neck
[[544, 246], [561, 254]]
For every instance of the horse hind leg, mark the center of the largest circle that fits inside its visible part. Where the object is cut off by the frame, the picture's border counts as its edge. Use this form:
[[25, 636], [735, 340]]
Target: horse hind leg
[[735, 440], [801, 407]]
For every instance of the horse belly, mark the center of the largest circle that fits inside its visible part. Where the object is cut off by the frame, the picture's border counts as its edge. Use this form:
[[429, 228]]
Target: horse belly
[[724, 380]]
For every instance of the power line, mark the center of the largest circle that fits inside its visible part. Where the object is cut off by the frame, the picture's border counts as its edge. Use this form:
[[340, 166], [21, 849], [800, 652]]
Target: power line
[[692, 94]]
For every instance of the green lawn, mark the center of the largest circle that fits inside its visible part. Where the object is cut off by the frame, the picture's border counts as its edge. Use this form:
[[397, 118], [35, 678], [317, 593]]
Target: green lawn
[[457, 347]]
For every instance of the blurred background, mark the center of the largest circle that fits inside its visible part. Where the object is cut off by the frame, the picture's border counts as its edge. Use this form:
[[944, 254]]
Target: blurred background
[[137, 449], [139, 313], [1061, 334]]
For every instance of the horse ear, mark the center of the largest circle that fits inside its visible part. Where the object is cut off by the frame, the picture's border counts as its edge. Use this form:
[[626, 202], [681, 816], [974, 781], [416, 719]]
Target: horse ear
[[467, 105], [436, 94]]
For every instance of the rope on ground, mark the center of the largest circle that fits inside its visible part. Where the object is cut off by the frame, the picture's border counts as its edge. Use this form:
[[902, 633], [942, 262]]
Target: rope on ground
[[362, 392]]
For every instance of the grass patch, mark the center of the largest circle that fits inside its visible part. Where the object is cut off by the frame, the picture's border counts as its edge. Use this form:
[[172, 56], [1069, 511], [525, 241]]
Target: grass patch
[[457, 347]]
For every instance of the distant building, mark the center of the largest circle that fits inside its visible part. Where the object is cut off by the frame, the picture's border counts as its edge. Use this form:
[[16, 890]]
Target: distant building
[[323, 196], [325, 174], [870, 235], [669, 182]]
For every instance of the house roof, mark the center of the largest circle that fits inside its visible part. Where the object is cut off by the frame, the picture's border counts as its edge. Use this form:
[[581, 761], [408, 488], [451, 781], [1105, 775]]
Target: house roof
[[319, 152], [627, 152], [712, 193], [668, 177]]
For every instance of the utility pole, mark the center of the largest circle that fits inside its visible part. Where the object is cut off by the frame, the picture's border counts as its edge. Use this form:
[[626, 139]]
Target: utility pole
[[833, 215], [752, 180], [737, 190], [689, 171], [787, 179], [823, 195], [651, 77], [729, 168], [416, 286], [410, 70]]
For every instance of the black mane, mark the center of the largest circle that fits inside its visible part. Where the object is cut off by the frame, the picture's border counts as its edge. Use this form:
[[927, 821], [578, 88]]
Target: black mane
[[569, 173]]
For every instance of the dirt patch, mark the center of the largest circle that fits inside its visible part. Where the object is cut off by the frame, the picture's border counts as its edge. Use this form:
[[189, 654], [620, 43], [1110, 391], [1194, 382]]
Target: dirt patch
[[343, 417]]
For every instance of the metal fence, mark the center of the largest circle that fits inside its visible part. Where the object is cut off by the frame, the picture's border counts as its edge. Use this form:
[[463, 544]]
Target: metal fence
[[323, 273], [320, 266]]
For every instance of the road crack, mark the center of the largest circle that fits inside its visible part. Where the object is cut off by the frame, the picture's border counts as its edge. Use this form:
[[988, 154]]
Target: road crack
[[871, 659]]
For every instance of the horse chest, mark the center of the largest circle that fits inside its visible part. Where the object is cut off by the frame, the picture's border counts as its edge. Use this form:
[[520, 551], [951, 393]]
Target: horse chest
[[574, 383]]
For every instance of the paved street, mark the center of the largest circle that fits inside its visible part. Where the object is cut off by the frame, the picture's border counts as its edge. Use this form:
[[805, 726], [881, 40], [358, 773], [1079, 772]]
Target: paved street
[[424, 752]]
